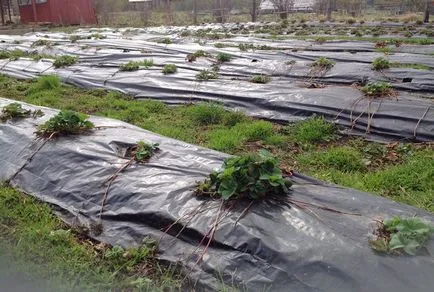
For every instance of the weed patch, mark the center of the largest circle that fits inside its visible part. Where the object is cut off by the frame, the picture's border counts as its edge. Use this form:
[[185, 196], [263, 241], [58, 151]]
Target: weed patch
[[207, 113], [312, 130], [345, 159], [401, 235], [43, 83]]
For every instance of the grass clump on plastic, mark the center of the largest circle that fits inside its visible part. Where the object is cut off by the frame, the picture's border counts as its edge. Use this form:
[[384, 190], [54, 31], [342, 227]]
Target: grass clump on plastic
[[401, 235], [207, 75], [323, 63], [16, 111], [380, 64], [223, 57], [65, 123], [378, 89], [250, 176], [262, 79], [135, 65], [65, 61], [169, 69]]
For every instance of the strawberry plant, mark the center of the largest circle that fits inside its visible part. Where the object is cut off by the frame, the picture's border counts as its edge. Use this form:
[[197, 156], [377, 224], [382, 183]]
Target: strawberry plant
[[65, 123], [378, 89], [143, 151], [207, 75], [16, 111], [380, 64], [262, 79], [323, 63], [252, 176], [399, 235], [64, 61], [169, 69]]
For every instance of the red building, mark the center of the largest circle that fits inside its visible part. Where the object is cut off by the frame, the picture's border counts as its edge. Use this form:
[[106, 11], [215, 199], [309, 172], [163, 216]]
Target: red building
[[57, 11]]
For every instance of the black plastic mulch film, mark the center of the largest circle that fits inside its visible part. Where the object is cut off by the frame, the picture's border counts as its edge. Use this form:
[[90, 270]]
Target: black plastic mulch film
[[285, 98], [274, 247]]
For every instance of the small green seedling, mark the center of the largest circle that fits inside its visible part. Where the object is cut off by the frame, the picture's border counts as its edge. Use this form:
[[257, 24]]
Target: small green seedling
[[223, 57], [378, 89], [262, 79], [64, 61], [65, 123], [166, 41], [98, 36], [143, 151], [207, 75], [251, 176], [323, 63], [16, 111], [75, 38], [380, 64], [135, 65], [169, 69], [401, 235]]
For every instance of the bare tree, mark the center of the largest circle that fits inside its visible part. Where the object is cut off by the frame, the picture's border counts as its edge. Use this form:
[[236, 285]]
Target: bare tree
[[254, 11], [427, 10], [283, 7]]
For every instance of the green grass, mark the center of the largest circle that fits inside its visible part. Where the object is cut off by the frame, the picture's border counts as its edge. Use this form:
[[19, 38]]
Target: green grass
[[47, 82], [43, 247], [301, 146], [343, 159], [312, 130]]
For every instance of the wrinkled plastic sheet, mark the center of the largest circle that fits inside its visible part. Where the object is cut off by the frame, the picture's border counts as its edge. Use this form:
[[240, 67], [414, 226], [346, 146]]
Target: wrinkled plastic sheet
[[285, 98], [275, 246]]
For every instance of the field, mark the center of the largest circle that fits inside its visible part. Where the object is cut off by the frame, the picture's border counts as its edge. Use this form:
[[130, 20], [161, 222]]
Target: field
[[349, 103]]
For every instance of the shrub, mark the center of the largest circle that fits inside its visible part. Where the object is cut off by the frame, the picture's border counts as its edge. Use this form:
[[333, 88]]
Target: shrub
[[207, 75], [252, 176], [311, 130], [65, 123], [260, 79], [223, 57], [378, 89], [64, 61], [169, 69], [399, 235], [351, 21], [323, 63], [380, 64]]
